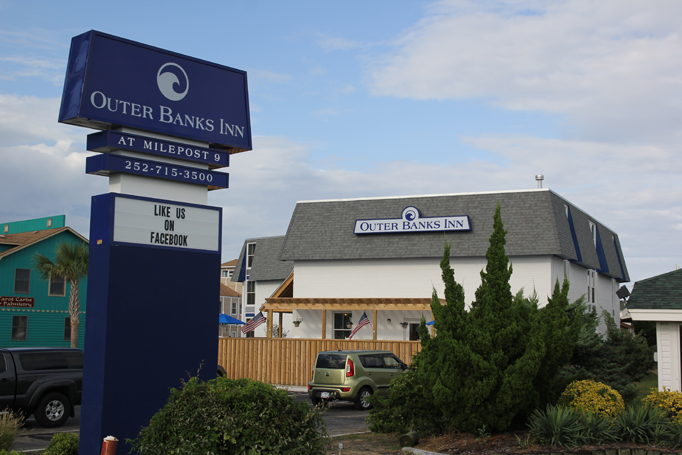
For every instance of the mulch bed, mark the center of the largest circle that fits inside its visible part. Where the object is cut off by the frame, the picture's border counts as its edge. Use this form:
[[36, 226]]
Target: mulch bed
[[511, 443]]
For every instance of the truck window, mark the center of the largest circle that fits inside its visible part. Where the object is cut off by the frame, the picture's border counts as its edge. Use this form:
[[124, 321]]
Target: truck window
[[31, 361]]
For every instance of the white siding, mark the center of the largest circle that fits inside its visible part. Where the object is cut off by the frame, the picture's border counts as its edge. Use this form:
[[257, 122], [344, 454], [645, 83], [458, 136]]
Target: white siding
[[311, 324], [412, 278], [668, 346]]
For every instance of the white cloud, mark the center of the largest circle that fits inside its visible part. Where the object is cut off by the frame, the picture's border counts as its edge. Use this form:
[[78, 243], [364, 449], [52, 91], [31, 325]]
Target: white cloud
[[612, 67]]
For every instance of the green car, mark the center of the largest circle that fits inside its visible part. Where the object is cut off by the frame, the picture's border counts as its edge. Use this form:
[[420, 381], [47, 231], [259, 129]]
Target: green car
[[352, 375]]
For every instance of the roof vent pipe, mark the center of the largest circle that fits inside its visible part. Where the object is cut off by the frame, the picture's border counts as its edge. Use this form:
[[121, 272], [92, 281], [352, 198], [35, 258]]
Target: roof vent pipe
[[539, 178]]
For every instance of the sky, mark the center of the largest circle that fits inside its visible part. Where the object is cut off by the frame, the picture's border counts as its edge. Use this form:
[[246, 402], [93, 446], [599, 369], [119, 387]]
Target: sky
[[366, 98]]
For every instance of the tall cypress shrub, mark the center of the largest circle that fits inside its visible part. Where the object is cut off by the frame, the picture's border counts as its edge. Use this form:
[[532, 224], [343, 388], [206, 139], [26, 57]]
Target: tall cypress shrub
[[486, 366]]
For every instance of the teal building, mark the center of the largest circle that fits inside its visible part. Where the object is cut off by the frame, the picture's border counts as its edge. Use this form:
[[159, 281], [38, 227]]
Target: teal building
[[35, 311]]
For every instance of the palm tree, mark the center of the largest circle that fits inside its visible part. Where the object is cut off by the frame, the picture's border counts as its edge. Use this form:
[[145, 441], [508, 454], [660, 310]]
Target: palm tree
[[71, 263]]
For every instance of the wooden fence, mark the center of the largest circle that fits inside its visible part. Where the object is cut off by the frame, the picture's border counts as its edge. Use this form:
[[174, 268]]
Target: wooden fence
[[289, 361]]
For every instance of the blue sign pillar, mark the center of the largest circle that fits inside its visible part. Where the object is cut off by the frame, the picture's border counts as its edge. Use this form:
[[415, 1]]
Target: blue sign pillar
[[152, 322], [153, 281]]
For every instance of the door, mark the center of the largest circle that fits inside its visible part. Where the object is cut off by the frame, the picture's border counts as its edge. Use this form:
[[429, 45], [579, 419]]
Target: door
[[7, 383]]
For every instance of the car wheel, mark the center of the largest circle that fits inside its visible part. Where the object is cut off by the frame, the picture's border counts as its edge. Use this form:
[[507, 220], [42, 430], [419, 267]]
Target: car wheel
[[53, 410], [361, 400]]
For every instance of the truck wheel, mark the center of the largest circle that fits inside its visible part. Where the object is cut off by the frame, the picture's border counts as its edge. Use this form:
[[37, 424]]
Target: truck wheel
[[361, 400], [53, 410]]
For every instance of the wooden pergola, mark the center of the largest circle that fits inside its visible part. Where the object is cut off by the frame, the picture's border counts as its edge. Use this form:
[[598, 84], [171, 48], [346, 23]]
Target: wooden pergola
[[289, 304]]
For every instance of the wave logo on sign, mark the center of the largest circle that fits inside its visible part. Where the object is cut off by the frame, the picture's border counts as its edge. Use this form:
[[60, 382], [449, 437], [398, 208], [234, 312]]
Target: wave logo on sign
[[171, 79]]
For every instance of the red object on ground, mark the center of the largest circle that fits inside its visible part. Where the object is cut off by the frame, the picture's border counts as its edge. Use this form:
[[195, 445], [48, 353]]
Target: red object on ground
[[109, 445]]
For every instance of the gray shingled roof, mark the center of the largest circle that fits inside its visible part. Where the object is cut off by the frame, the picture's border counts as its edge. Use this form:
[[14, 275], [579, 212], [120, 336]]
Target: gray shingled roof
[[266, 261], [535, 221], [661, 292]]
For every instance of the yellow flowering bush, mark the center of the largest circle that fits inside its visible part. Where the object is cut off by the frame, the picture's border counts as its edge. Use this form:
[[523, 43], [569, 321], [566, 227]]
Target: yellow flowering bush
[[592, 397], [669, 401]]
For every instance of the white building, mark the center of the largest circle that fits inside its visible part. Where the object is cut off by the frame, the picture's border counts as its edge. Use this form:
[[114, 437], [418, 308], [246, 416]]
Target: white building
[[381, 256]]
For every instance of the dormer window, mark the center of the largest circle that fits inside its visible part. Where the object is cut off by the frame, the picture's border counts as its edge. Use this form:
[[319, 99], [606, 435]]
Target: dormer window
[[593, 231], [250, 252]]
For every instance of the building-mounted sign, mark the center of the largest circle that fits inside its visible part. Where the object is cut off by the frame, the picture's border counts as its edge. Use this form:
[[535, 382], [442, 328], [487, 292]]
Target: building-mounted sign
[[110, 164], [112, 82], [157, 223], [411, 221], [108, 141], [16, 302]]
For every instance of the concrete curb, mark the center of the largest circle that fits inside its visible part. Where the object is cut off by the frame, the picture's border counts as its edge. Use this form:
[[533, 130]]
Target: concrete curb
[[413, 451]]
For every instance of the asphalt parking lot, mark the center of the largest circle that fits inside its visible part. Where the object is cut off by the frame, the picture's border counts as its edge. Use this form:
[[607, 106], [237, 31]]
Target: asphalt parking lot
[[340, 418]]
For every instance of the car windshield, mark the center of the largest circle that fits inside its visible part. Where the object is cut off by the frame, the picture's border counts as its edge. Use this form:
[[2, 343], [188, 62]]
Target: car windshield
[[331, 361]]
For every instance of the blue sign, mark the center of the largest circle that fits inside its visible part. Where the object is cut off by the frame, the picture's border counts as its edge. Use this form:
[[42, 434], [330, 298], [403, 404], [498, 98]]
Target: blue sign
[[109, 164], [108, 141], [412, 221], [112, 82]]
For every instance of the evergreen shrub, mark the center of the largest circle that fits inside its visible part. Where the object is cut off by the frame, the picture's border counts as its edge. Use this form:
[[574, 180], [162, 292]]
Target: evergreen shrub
[[63, 444], [592, 397], [232, 417], [9, 424], [491, 363], [9, 452], [669, 401]]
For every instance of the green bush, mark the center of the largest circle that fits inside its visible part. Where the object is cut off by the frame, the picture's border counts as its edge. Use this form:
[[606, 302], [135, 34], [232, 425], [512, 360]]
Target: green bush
[[641, 424], [390, 414], [232, 417], [63, 444], [9, 452], [592, 397], [620, 359], [9, 424], [557, 426]]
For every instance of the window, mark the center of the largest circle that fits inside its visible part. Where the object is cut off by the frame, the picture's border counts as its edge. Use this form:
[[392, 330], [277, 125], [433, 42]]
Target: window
[[67, 329], [250, 251], [591, 285], [342, 325], [250, 292], [31, 361], [57, 285], [19, 328], [226, 273], [414, 333], [234, 308], [593, 231], [21, 280], [332, 361]]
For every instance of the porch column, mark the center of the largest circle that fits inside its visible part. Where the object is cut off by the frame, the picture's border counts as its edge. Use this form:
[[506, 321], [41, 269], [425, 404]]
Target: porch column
[[374, 326], [324, 324], [269, 324]]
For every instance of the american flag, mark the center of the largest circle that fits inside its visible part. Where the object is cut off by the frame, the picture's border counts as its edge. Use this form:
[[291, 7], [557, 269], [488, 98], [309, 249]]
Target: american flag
[[254, 322], [364, 320]]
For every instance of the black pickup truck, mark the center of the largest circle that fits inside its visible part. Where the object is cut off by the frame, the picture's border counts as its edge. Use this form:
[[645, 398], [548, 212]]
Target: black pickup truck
[[45, 382]]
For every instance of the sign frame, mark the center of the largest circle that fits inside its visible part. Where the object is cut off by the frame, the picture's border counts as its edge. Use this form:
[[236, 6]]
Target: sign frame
[[411, 222], [112, 82], [107, 232]]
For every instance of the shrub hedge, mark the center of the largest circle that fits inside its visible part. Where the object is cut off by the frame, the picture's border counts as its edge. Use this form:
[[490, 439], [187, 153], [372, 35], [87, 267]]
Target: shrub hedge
[[232, 417]]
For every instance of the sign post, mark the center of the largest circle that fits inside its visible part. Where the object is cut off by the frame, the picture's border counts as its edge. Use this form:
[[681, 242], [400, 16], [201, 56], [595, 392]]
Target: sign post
[[169, 123]]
